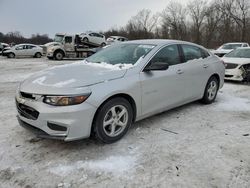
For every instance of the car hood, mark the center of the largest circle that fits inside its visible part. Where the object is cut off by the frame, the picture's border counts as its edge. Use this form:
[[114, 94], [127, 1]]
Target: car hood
[[69, 79], [221, 51], [239, 61]]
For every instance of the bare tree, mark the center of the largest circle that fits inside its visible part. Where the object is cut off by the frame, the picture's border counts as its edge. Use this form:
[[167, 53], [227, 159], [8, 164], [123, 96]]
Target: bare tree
[[144, 22], [197, 10], [174, 21]]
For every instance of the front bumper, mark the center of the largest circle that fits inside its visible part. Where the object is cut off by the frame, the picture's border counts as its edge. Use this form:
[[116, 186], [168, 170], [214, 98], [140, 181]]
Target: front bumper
[[234, 74], [64, 123]]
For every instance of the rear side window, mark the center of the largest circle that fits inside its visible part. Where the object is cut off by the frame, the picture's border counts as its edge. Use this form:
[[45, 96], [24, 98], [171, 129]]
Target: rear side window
[[168, 54], [193, 52]]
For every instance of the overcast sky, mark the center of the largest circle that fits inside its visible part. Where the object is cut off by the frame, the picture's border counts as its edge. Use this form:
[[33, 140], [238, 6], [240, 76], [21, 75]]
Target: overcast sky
[[70, 16]]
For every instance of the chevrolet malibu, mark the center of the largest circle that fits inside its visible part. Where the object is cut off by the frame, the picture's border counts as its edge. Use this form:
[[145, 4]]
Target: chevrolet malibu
[[126, 82]]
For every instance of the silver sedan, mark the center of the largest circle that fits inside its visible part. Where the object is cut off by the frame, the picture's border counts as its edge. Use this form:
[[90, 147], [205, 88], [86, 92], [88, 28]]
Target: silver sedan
[[104, 94]]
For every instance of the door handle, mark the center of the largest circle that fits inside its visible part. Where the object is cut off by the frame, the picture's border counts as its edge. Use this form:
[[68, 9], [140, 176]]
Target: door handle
[[205, 66], [180, 71]]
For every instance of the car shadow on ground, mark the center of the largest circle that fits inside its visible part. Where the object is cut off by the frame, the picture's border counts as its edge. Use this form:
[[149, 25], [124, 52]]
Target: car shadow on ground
[[91, 142]]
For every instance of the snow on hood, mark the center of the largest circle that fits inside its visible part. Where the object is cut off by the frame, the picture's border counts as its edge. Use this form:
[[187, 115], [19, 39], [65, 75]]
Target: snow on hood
[[58, 79], [239, 61]]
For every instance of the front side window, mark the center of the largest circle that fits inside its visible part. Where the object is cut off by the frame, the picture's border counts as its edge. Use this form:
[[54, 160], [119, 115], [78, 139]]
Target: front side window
[[168, 54], [121, 54], [20, 48], [68, 39]]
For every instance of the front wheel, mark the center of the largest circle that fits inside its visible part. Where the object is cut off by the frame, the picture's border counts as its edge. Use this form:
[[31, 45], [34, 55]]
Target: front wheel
[[113, 120], [211, 91], [58, 55], [11, 55]]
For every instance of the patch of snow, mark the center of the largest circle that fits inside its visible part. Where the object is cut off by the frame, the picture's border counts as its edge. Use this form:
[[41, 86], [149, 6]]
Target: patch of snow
[[17, 77], [41, 80], [233, 103], [109, 66], [114, 164]]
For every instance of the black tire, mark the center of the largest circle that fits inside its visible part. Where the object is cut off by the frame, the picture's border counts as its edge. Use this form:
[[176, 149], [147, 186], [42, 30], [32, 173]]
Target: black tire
[[38, 55], [58, 55], [11, 55], [208, 98], [85, 39], [103, 44], [100, 132]]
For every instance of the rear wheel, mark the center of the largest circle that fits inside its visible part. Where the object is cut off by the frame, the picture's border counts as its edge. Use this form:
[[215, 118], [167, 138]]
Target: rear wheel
[[103, 44], [113, 120], [11, 55], [58, 55], [211, 90], [38, 55]]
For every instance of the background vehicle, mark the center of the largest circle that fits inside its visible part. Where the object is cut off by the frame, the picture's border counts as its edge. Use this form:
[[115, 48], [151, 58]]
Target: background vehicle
[[93, 38], [228, 47], [69, 46], [3, 47], [238, 64], [115, 39], [137, 80], [24, 50]]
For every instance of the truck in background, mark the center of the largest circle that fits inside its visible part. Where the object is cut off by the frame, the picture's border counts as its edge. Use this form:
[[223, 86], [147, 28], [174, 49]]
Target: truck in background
[[70, 46]]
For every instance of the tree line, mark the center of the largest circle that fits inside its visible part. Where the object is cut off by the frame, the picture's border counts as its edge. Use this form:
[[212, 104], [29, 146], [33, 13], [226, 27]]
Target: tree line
[[207, 23], [17, 38]]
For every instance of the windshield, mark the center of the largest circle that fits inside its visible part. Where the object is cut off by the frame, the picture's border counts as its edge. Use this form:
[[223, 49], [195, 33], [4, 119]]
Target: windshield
[[58, 38], [239, 53], [121, 54], [230, 46]]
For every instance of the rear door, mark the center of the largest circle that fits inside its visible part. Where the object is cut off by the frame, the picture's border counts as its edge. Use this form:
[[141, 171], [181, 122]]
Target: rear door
[[197, 70], [163, 89]]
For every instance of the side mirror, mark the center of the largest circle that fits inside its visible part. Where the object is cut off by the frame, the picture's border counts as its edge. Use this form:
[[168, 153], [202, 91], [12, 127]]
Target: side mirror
[[160, 66]]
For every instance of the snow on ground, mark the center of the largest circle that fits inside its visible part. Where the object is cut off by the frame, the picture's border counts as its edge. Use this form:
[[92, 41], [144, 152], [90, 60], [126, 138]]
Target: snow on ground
[[191, 146]]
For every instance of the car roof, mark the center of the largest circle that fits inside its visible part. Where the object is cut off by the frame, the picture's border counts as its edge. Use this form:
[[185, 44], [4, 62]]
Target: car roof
[[236, 43], [160, 42], [243, 48], [26, 44]]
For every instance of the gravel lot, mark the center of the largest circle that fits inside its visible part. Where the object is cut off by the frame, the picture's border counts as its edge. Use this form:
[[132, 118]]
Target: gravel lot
[[191, 146]]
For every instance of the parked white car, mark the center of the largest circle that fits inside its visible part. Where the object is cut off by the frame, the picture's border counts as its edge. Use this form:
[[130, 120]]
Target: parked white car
[[103, 95], [116, 39], [228, 47], [24, 50], [238, 64], [94, 38]]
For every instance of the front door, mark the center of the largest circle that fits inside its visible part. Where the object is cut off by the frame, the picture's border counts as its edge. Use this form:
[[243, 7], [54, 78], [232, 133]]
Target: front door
[[163, 89]]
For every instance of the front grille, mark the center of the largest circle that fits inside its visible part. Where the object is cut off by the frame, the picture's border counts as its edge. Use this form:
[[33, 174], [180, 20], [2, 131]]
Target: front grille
[[229, 76], [26, 111], [231, 65]]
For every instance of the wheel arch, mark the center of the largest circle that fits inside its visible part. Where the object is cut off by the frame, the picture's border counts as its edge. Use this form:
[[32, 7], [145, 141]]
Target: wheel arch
[[128, 97], [59, 50]]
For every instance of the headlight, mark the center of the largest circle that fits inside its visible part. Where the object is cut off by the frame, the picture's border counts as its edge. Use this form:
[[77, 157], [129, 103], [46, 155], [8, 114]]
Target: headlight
[[65, 100]]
